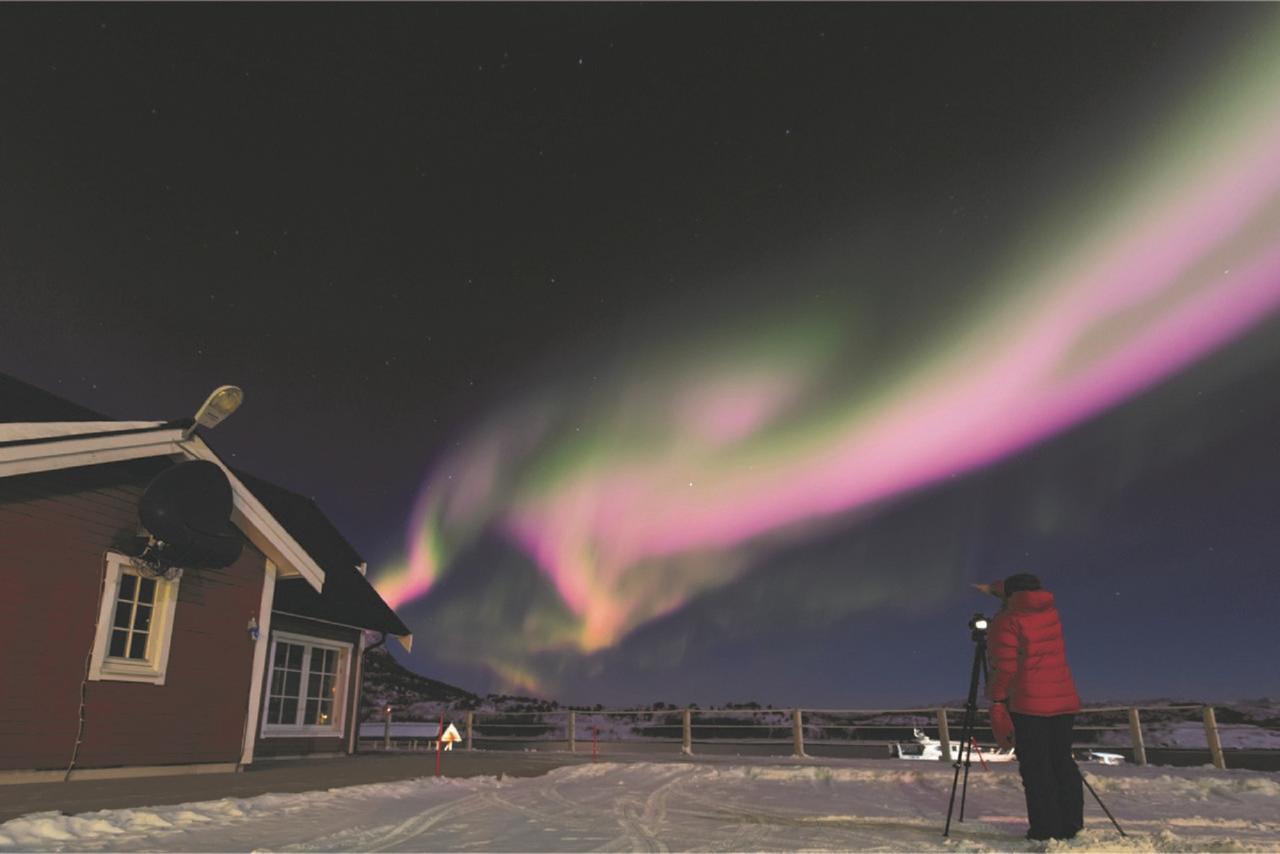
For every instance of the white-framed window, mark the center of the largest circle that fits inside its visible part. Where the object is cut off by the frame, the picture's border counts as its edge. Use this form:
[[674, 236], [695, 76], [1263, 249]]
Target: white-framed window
[[306, 688], [135, 624]]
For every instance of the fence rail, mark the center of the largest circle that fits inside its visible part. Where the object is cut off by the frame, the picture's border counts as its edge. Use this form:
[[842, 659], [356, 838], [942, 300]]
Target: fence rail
[[796, 728]]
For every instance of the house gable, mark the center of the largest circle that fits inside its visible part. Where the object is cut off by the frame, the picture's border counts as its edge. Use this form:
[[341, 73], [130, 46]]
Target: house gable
[[56, 445]]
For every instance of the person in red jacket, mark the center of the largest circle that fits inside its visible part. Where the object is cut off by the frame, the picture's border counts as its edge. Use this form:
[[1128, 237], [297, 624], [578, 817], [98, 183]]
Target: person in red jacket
[[1033, 703]]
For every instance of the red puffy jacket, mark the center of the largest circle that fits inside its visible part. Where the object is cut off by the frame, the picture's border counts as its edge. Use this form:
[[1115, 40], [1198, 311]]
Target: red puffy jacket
[[1028, 657]]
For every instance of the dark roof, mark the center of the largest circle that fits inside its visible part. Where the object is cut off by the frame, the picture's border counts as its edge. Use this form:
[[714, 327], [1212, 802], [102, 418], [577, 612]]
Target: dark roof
[[21, 403], [347, 597]]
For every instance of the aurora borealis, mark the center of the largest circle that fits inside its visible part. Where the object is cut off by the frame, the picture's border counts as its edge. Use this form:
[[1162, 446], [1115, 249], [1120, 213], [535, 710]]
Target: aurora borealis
[[694, 352], [642, 489]]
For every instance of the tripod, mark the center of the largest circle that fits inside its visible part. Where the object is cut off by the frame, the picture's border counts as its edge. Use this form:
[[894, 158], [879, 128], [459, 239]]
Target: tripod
[[978, 628]]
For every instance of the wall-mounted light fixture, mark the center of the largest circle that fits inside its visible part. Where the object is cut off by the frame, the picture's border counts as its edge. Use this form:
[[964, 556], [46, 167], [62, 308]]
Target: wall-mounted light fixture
[[224, 400]]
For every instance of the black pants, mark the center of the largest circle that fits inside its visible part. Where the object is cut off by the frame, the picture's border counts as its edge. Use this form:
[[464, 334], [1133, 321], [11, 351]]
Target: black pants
[[1055, 794]]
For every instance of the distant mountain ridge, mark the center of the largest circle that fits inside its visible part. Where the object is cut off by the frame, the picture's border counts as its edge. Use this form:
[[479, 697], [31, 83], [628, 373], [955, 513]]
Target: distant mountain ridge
[[388, 682], [414, 697]]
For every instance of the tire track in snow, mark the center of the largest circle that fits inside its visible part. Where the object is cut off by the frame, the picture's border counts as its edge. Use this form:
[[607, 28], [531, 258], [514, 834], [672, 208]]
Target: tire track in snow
[[384, 839], [636, 819]]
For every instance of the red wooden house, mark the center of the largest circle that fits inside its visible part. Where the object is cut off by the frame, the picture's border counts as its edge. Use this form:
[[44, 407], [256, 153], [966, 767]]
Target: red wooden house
[[110, 667]]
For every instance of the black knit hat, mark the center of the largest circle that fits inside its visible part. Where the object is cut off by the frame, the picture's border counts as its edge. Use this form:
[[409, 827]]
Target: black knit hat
[[1019, 582]]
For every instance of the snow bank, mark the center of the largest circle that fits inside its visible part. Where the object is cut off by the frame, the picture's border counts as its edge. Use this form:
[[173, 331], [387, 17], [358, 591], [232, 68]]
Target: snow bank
[[767, 805]]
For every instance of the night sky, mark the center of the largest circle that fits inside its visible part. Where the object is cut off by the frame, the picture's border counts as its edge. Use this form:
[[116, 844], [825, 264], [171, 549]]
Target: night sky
[[694, 353]]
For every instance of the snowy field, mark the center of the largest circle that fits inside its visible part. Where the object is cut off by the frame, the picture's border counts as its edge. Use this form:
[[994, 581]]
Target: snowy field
[[688, 806]]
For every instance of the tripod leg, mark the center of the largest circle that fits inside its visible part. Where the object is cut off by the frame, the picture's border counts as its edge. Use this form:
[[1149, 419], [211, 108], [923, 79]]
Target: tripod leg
[[965, 728], [1085, 780], [951, 805], [967, 747]]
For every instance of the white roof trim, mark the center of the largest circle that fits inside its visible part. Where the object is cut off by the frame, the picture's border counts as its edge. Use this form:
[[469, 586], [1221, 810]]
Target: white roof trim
[[57, 429], [70, 453], [259, 525], [247, 512]]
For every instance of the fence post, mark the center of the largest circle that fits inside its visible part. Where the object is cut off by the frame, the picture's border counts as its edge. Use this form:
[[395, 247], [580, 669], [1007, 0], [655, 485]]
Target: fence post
[[797, 733], [686, 739], [573, 731], [1135, 737], [471, 718], [944, 735], [386, 731], [1211, 736]]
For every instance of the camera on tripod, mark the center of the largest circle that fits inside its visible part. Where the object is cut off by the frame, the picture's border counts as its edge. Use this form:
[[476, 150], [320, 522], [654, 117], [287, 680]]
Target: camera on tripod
[[978, 624]]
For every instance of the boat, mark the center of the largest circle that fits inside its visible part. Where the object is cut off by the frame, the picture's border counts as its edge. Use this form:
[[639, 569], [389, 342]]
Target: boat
[[1099, 757], [925, 748]]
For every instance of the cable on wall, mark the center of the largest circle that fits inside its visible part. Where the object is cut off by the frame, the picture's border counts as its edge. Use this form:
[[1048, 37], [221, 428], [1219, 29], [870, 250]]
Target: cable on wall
[[88, 659]]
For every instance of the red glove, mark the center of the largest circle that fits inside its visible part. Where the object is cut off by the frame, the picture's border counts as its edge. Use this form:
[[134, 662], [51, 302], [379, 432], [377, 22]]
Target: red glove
[[1002, 725]]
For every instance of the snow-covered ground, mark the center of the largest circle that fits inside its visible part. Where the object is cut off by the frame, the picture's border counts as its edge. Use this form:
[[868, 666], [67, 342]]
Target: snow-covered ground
[[679, 806]]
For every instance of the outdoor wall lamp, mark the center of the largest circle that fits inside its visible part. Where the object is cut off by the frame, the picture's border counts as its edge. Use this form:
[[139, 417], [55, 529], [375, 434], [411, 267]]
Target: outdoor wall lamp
[[225, 400]]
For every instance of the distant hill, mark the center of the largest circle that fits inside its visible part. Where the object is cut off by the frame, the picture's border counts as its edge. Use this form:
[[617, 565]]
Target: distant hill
[[414, 697], [387, 681]]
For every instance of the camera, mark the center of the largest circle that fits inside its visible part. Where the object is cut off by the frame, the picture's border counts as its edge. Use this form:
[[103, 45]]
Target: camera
[[978, 626]]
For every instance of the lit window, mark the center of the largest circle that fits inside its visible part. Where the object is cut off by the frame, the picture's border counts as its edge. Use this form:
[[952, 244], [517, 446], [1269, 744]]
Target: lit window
[[135, 624], [304, 691]]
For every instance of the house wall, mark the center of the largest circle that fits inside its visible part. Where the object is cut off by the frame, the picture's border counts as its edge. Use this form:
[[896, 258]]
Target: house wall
[[267, 745], [55, 530]]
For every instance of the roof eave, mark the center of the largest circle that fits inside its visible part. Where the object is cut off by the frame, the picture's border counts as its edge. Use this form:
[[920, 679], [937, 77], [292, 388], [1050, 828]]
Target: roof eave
[[248, 514], [28, 457], [258, 524]]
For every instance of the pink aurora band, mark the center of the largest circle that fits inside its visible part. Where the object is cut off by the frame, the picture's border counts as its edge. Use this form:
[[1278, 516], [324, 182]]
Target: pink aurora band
[[630, 530]]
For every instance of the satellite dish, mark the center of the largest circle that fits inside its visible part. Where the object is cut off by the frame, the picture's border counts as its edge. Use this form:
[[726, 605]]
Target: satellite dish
[[187, 508]]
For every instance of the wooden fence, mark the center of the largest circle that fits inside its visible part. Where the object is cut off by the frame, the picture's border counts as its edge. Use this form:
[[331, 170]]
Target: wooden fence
[[798, 729]]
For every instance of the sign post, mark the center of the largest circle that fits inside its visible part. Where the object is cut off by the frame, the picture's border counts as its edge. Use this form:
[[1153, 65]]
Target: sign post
[[439, 741]]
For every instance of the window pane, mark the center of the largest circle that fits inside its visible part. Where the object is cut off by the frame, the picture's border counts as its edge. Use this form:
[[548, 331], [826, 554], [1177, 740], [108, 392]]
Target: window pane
[[326, 686], [273, 711], [309, 717], [313, 685], [289, 711], [127, 583], [119, 640], [147, 590], [326, 712], [295, 657], [329, 656], [142, 618], [277, 682], [292, 680], [282, 649], [138, 646], [123, 610]]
